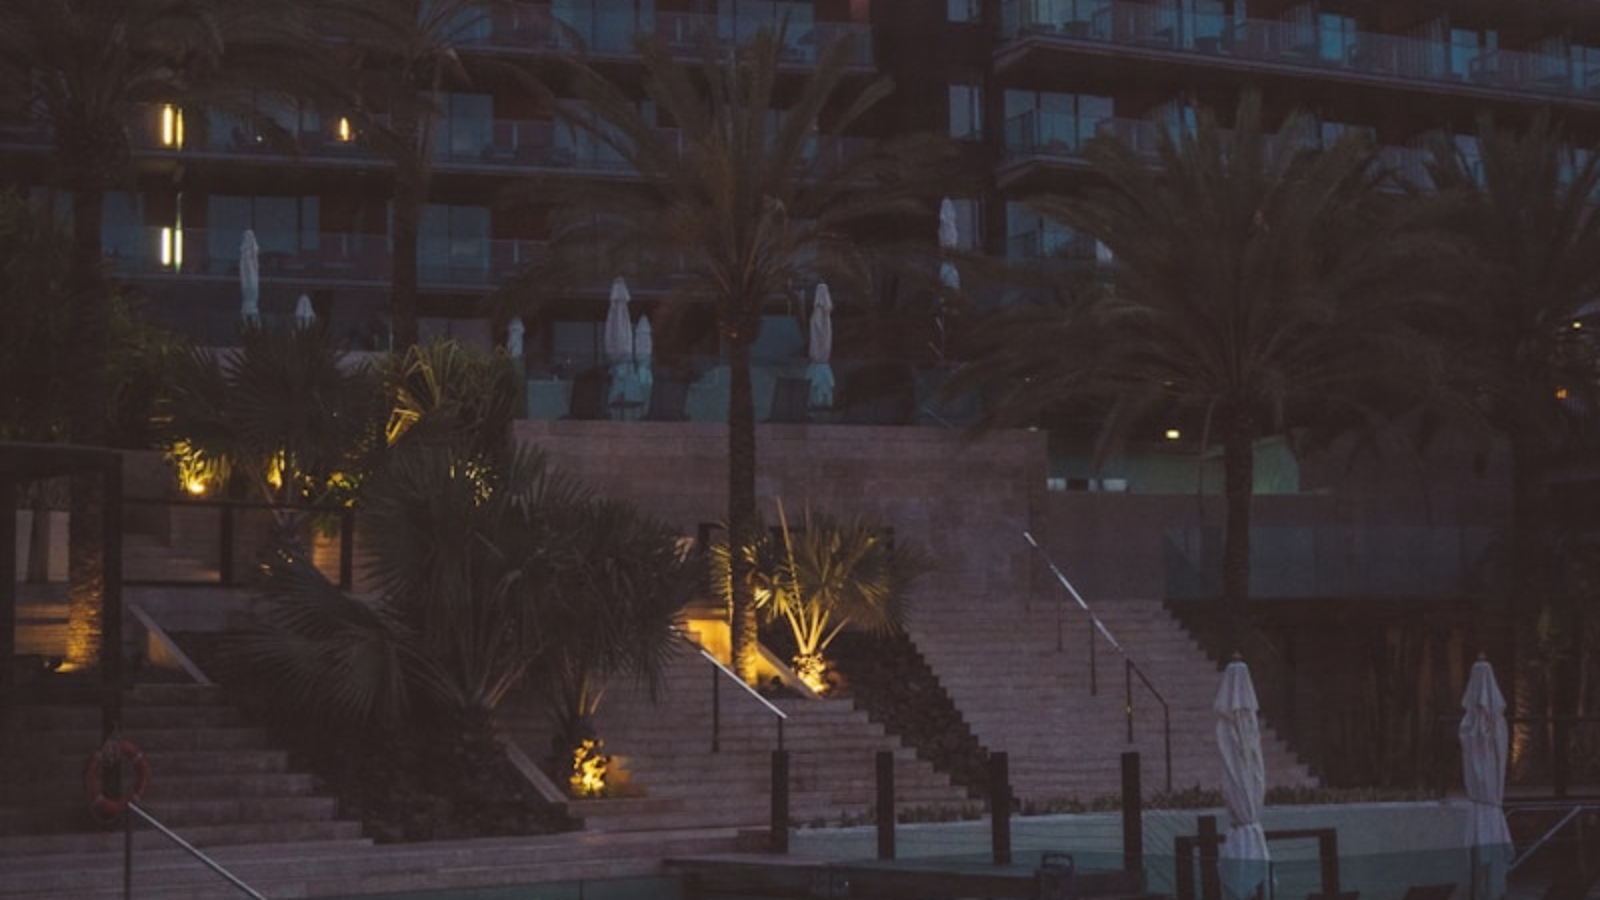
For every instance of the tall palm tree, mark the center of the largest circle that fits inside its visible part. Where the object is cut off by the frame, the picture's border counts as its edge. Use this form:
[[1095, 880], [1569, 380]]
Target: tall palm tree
[[1258, 281], [1526, 207], [403, 56], [746, 195], [81, 65]]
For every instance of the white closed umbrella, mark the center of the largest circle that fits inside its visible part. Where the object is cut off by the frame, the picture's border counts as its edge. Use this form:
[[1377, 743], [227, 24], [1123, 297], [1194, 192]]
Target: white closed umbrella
[[1484, 746], [515, 331], [643, 348], [304, 315], [249, 278], [820, 348], [619, 346], [1243, 862], [949, 237]]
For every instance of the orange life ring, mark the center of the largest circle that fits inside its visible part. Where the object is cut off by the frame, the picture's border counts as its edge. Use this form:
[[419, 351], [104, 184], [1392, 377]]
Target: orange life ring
[[114, 751]]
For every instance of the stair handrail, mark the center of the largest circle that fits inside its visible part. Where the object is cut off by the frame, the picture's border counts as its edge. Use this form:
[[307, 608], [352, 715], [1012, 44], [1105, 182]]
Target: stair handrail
[[716, 697], [191, 849], [1129, 668]]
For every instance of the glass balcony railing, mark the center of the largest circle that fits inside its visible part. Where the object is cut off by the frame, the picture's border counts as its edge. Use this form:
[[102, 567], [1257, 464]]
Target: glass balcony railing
[[1299, 43], [1335, 561], [1063, 138], [317, 257], [528, 28]]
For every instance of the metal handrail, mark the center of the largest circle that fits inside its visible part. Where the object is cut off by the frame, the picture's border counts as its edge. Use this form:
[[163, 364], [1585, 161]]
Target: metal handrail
[[1572, 813], [1130, 668], [193, 851], [716, 695]]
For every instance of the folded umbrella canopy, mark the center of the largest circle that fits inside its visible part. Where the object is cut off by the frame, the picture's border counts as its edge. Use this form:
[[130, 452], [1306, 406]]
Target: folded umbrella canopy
[[1244, 862]]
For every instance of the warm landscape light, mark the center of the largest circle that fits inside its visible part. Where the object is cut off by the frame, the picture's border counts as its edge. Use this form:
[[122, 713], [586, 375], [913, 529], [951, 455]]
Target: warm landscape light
[[171, 126], [1561, 393], [1173, 434]]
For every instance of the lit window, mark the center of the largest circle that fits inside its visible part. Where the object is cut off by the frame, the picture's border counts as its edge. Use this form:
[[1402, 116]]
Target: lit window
[[344, 132]]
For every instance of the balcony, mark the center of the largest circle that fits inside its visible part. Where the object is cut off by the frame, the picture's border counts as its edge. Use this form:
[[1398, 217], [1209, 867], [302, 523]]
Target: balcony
[[1033, 140], [1028, 25], [305, 261], [527, 28]]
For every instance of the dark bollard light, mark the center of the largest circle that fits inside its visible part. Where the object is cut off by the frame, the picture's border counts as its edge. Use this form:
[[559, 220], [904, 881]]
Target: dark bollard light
[[1000, 807], [886, 822]]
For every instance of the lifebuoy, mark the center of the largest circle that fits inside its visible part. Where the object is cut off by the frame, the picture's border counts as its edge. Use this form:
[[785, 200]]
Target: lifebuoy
[[114, 752]]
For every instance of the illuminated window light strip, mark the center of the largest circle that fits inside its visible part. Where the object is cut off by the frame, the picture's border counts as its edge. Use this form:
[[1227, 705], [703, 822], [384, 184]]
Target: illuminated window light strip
[[171, 126]]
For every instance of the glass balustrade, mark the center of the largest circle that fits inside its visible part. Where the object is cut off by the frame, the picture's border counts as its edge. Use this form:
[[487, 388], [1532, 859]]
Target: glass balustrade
[[1330, 43]]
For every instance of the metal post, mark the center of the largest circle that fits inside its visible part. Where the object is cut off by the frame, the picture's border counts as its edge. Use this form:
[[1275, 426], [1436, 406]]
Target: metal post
[[347, 548], [1558, 758], [1132, 819], [1210, 842], [1094, 667], [127, 856], [111, 596], [1328, 857], [8, 581], [885, 772], [225, 546], [716, 711], [1000, 807], [1127, 695], [779, 838]]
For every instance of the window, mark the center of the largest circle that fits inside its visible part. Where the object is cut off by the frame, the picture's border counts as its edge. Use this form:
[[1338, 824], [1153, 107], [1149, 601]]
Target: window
[[464, 127], [453, 243], [122, 231], [607, 26], [1032, 236], [966, 112], [285, 228], [963, 10], [1053, 123]]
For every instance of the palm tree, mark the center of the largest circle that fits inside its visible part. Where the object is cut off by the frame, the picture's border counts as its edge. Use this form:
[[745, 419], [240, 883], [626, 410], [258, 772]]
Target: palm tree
[[442, 392], [1526, 208], [81, 65], [745, 196], [403, 56], [285, 415], [490, 572], [824, 576], [1258, 282]]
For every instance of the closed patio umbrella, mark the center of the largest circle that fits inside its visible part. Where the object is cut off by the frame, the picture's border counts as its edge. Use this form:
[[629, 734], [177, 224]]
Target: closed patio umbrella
[[1243, 862], [643, 349], [618, 342], [1484, 744], [304, 315], [820, 347], [249, 278], [949, 237]]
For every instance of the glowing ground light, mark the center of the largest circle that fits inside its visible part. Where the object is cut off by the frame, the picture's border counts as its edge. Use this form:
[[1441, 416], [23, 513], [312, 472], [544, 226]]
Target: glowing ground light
[[1173, 434]]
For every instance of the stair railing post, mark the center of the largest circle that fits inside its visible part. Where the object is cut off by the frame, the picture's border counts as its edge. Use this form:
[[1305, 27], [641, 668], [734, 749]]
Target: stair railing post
[[1094, 667], [347, 548], [1210, 842], [225, 548], [716, 711], [886, 823], [1000, 807], [1132, 820], [127, 856], [779, 826], [1127, 694]]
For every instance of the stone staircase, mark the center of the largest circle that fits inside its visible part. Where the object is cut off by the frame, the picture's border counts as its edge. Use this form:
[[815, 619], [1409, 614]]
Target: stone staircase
[[1020, 673], [675, 780]]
